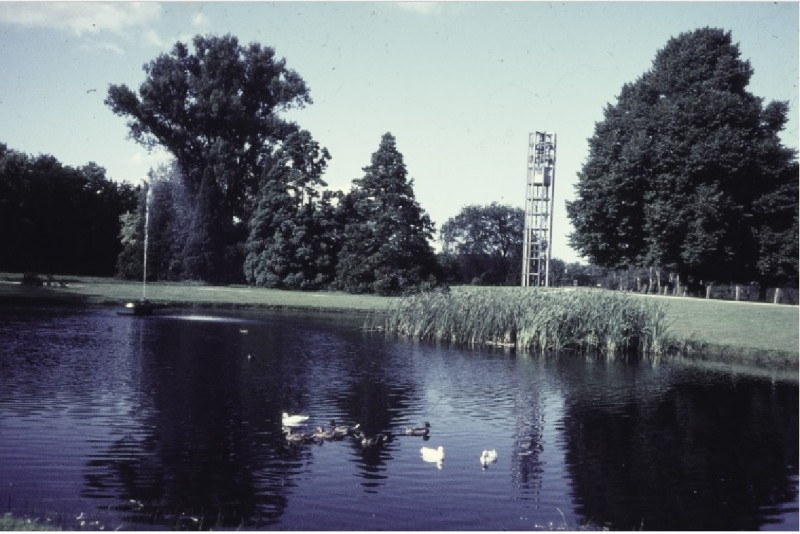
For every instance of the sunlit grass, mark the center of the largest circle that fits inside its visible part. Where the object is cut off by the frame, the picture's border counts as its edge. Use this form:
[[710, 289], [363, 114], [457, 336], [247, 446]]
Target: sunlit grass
[[742, 325], [111, 291]]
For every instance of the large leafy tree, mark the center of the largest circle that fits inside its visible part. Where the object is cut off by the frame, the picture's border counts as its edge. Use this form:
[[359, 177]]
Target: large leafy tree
[[487, 242], [777, 235], [215, 109], [385, 247], [686, 171]]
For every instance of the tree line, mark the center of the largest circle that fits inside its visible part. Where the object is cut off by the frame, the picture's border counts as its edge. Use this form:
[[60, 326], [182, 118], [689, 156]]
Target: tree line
[[483, 245], [685, 175], [59, 219], [373, 239], [245, 199]]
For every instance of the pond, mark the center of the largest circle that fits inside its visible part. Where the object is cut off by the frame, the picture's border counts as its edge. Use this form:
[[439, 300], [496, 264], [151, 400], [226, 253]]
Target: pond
[[174, 422]]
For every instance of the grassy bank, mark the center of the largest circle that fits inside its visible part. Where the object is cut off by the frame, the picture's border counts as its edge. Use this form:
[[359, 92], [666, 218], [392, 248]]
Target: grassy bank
[[737, 332], [710, 328], [114, 292]]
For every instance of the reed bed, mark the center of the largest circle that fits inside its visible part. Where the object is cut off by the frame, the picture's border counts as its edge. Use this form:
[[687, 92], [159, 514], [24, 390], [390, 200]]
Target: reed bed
[[532, 319]]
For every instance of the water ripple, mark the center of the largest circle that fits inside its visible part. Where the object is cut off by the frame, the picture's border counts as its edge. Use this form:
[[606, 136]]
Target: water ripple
[[175, 422]]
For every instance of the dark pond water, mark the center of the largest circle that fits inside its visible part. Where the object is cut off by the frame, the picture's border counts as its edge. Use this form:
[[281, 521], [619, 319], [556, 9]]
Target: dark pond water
[[164, 422]]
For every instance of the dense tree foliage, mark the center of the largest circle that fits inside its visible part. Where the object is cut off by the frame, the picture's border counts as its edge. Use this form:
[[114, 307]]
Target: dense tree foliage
[[131, 237], [385, 246], [687, 172], [254, 182], [776, 231], [216, 110], [293, 240], [163, 203], [486, 243], [59, 219], [203, 251]]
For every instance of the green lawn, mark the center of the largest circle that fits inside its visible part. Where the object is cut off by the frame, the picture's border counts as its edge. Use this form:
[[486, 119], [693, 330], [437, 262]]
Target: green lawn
[[744, 325], [111, 291], [245, 296]]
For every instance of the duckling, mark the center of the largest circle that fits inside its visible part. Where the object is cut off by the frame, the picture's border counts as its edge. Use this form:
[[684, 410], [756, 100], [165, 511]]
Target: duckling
[[374, 441], [488, 457], [343, 430], [321, 433], [295, 437], [294, 420], [419, 431]]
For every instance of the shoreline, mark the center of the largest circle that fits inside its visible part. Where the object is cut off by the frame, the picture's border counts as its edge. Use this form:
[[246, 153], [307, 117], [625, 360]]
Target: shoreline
[[690, 313]]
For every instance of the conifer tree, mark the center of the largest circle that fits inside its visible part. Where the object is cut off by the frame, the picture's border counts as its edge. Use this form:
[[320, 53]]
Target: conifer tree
[[203, 253], [385, 247], [291, 243]]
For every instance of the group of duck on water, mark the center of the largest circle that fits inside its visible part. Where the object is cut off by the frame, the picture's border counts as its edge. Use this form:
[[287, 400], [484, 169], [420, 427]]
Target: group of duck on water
[[335, 432]]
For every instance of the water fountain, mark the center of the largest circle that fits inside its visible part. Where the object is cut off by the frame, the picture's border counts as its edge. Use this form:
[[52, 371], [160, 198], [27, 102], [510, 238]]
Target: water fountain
[[142, 306]]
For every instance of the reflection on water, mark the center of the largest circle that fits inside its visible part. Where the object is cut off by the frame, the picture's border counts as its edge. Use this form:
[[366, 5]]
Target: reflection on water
[[174, 422], [726, 449]]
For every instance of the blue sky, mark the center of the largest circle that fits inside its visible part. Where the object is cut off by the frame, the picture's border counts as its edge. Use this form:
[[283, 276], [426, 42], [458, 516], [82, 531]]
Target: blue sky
[[459, 84]]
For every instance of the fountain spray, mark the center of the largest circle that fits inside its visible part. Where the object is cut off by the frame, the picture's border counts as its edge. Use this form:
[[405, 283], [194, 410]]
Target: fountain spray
[[148, 197]]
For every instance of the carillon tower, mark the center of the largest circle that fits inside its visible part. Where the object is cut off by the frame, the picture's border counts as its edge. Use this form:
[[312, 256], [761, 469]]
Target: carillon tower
[[539, 209]]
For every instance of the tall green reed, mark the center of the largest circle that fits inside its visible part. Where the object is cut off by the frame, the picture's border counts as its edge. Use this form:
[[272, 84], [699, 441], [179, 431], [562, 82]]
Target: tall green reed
[[533, 319]]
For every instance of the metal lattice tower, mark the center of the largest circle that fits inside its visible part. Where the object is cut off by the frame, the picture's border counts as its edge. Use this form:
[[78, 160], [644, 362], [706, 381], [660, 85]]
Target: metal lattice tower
[[539, 209]]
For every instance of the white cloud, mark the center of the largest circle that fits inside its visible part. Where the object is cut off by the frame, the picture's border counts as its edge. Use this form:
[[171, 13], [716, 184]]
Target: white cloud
[[94, 44], [151, 37], [81, 18], [423, 8], [199, 20]]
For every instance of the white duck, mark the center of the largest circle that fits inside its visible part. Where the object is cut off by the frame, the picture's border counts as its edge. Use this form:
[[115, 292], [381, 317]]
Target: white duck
[[294, 420], [488, 457], [432, 455]]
